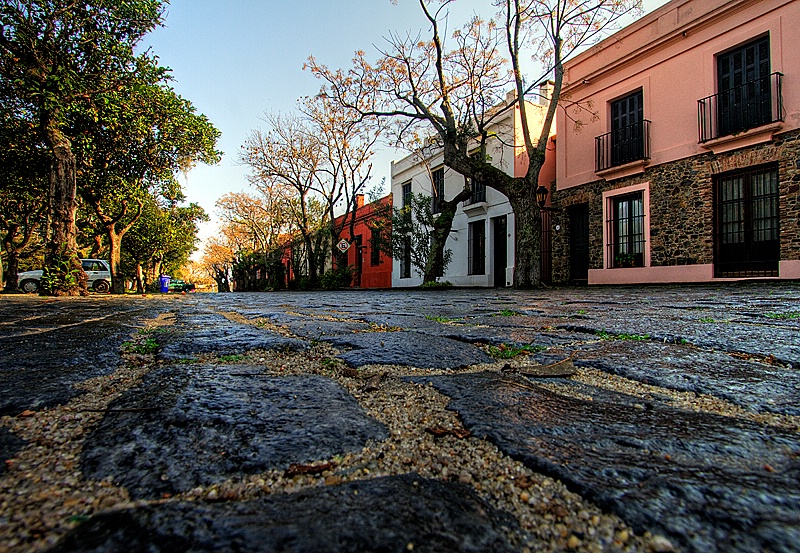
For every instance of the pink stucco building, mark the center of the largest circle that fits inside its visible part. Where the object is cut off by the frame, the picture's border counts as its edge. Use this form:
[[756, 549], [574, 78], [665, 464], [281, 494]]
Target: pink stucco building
[[684, 165]]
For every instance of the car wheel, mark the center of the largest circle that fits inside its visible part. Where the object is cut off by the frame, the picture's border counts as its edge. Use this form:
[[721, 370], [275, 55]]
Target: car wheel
[[101, 286], [29, 286]]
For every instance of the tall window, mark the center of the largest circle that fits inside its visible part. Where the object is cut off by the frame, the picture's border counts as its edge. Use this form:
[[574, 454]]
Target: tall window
[[744, 87], [406, 196], [747, 241], [626, 226], [375, 252], [437, 189], [406, 193], [477, 248], [478, 187], [405, 262], [627, 129]]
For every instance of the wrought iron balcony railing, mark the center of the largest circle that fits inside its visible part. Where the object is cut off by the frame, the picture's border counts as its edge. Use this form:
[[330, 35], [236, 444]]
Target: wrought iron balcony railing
[[741, 108], [624, 145], [478, 193]]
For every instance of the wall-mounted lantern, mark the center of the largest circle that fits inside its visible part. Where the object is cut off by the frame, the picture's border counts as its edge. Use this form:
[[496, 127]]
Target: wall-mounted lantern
[[541, 195]]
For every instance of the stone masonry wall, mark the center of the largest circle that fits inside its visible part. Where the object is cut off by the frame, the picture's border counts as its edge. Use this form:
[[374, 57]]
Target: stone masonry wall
[[681, 205]]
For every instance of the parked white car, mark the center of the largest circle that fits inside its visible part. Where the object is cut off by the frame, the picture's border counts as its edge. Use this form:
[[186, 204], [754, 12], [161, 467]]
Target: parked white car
[[98, 270]]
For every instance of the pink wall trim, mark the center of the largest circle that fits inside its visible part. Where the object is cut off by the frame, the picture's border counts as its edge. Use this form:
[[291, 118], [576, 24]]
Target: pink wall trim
[[787, 270], [751, 137], [647, 275], [607, 197]]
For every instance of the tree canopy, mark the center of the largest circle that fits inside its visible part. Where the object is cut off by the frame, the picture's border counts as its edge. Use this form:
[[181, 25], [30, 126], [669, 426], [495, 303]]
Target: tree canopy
[[451, 96], [114, 132]]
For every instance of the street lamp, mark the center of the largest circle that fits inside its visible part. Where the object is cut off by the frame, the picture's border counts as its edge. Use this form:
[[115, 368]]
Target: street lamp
[[541, 195]]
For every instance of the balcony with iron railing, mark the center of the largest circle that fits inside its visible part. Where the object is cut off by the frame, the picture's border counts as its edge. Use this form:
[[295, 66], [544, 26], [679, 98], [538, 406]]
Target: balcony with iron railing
[[478, 193], [622, 146], [741, 108]]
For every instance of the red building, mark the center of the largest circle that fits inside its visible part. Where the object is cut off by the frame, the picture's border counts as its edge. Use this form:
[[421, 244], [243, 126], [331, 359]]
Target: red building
[[372, 269]]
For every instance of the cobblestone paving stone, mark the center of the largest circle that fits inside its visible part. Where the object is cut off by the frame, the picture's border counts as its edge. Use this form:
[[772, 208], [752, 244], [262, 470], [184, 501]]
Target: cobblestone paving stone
[[688, 443], [754, 385], [77, 339], [9, 446], [705, 481], [193, 425], [401, 513], [44, 351], [212, 333], [413, 349]]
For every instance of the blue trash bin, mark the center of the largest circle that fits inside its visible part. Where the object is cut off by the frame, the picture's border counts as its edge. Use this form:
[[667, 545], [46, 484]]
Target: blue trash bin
[[164, 284]]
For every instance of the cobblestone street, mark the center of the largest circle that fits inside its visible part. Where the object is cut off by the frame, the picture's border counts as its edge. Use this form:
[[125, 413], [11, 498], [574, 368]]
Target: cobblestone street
[[576, 419]]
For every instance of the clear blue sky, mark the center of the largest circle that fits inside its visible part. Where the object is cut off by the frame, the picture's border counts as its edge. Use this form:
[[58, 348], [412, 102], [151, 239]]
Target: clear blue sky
[[236, 59]]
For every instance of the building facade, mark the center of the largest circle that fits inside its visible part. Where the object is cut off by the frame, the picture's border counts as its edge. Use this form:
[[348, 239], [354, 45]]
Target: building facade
[[371, 267], [482, 236], [686, 164]]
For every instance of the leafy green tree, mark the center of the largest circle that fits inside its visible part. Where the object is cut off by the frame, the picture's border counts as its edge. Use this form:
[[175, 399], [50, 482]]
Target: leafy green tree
[[23, 186], [161, 240], [56, 55], [133, 142], [411, 236]]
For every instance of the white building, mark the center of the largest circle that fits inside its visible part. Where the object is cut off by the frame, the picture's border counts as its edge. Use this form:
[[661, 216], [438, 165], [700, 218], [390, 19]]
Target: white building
[[482, 237]]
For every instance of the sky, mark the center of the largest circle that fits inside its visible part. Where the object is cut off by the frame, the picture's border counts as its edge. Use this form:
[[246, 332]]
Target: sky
[[235, 60]]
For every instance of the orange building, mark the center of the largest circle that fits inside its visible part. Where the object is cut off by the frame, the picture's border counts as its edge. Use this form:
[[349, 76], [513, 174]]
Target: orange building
[[373, 269]]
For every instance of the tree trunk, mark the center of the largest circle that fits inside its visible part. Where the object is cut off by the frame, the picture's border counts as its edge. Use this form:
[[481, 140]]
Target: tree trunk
[[157, 269], [13, 270], [63, 274], [311, 258], [221, 278], [528, 238], [13, 261], [115, 238], [115, 255], [442, 226], [139, 278], [97, 246]]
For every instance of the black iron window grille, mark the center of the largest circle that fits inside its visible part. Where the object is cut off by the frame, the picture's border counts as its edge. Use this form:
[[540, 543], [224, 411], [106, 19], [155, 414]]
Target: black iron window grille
[[406, 195], [747, 97], [741, 108], [405, 262], [478, 192], [624, 145], [626, 231], [629, 138], [747, 223], [375, 252]]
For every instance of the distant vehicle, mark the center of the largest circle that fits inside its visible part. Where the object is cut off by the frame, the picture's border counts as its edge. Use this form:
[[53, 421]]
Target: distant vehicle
[[178, 285], [98, 270]]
